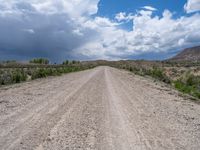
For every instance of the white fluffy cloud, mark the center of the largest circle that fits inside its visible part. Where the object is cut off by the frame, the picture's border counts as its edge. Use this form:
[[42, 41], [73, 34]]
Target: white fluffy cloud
[[192, 6], [65, 29], [123, 16], [149, 35], [74, 8]]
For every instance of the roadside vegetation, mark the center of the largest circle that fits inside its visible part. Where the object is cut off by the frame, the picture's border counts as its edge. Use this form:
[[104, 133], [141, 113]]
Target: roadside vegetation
[[12, 76], [183, 76], [189, 84], [12, 72], [154, 72]]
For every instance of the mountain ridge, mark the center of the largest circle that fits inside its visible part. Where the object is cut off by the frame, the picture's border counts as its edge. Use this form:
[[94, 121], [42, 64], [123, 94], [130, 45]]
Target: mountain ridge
[[188, 54]]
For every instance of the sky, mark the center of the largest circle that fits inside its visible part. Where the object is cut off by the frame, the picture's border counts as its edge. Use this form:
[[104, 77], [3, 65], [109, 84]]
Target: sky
[[97, 29]]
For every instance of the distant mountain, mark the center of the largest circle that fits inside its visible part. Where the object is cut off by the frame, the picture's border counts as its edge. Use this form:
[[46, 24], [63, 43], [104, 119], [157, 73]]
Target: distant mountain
[[188, 54]]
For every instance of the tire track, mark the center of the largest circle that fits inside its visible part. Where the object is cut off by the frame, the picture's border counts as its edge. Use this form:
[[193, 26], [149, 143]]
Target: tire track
[[99, 109]]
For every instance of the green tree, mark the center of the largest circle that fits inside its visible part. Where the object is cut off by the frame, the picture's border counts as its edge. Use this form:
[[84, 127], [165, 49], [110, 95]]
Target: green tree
[[40, 61], [66, 62]]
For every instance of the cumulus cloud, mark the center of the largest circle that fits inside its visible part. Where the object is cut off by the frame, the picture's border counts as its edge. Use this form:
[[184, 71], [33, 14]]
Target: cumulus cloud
[[192, 6], [123, 16], [66, 29], [149, 35]]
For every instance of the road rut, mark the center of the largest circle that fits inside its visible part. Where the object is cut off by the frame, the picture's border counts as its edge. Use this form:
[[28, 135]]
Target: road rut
[[102, 108]]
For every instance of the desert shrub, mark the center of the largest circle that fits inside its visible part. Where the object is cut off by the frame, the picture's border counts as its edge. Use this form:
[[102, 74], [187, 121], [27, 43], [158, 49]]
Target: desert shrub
[[12, 76], [196, 94], [190, 85], [130, 69], [60, 71], [193, 80], [181, 86], [18, 76], [159, 74], [174, 71], [5, 78], [44, 72], [39, 73]]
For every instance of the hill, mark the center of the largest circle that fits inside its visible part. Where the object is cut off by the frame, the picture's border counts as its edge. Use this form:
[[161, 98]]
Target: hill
[[189, 54]]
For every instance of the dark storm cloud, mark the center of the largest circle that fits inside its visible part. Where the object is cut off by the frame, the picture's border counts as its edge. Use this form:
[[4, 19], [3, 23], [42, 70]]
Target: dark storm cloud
[[27, 33]]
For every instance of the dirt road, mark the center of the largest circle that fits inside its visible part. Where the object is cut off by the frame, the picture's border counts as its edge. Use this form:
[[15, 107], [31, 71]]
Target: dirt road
[[103, 108]]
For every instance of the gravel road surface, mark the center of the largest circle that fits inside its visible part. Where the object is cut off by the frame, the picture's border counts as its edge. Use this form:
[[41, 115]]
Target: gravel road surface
[[98, 109]]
